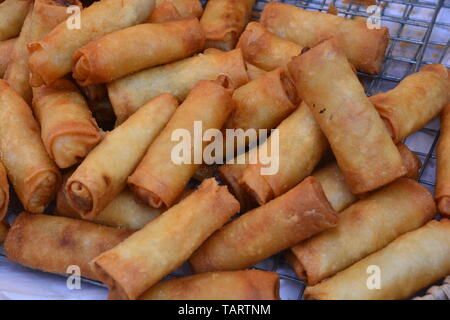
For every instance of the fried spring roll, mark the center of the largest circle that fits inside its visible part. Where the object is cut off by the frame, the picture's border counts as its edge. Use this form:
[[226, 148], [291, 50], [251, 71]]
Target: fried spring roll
[[6, 48], [301, 146], [443, 165], [147, 45], [12, 16], [358, 137], [411, 262], [264, 49], [224, 21], [43, 16], [363, 47], [263, 103], [103, 174], [129, 93], [285, 221], [168, 10], [53, 244], [235, 285], [158, 180], [4, 229], [4, 191], [363, 228], [165, 243], [416, 100], [33, 174], [51, 57], [410, 161], [68, 130]]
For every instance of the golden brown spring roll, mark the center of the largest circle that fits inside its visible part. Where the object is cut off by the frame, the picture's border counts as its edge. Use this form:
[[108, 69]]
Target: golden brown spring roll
[[264, 49], [51, 57], [234, 285], [253, 71], [363, 47], [4, 229], [103, 174], [129, 93], [416, 100], [12, 16], [168, 10], [53, 244], [363, 228], [283, 222], [164, 244], [301, 146], [443, 164], [410, 161], [411, 262], [159, 180], [43, 16], [262, 104], [224, 21], [358, 137], [33, 174], [98, 61], [68, 130], [6, 48], [4, 191]]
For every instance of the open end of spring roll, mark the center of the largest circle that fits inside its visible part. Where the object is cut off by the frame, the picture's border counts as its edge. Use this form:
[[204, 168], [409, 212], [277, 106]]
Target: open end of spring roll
[[224, 21], [358, 137], [237, 285], [264, 49], [151, 253], [131, 92], [410, 161], [363, 47], [4, 191], [160, 179], [102, 175], [415, 101], [443, 167], [68, 130], [6, 48], [168, 10], [12, 16], [51, 57], [412, 262], [298, 214], [98, 61], [53, 244], [301, 145], [365, 227], [33, 174]]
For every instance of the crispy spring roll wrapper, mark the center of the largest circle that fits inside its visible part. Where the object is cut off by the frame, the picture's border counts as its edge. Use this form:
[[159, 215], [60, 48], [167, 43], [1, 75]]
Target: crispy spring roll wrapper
[[224, 21], [98, 61], [168, 10], [51, 57], [103, 174], [158, 181], [52, 244], [365, 227], [301, 146], [412, 262], [410, 161], [151, 253], [263, 103], [443, 165], [264, 49], [415, 101], [34, 176], [6, 48], [4, 191], [358, 137], [43, 16], [253, 71], [12, 16], [232, 285], [68, 130], [285, 221], [129, 93], [363, 47], [4, 229]]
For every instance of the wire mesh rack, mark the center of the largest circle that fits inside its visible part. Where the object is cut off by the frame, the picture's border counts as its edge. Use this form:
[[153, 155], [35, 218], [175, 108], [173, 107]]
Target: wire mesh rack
[[420, 34]]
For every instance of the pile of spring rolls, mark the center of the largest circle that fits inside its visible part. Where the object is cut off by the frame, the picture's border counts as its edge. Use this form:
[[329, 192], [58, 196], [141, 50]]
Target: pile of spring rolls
[[93, 92]]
